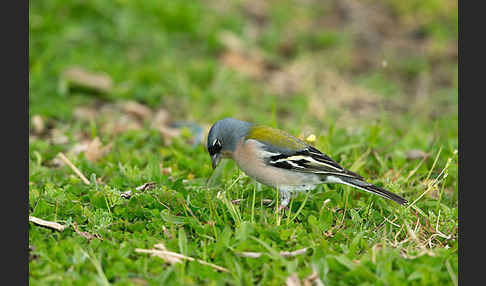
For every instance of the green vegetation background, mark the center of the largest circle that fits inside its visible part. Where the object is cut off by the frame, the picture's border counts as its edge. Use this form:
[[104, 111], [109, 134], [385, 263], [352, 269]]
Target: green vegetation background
[[375, 81]]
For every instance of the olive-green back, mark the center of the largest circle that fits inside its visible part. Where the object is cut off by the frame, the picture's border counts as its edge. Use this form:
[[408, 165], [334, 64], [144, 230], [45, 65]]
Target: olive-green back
[[275, 137]]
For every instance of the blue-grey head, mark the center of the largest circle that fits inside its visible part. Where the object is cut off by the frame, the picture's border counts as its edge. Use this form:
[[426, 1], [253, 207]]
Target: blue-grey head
[[223, 138]]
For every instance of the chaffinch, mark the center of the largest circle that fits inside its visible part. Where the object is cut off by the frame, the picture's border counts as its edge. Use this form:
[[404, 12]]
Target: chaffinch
[[280, 160]]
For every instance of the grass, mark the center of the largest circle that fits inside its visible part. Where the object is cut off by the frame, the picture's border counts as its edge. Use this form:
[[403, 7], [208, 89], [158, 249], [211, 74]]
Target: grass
[[171, 55]]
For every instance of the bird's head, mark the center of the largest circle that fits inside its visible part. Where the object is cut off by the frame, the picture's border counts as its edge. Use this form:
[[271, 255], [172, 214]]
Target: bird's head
[[223, 138]]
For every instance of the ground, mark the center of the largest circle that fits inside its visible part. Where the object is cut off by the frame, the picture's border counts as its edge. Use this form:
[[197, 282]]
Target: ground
[[126, 91]]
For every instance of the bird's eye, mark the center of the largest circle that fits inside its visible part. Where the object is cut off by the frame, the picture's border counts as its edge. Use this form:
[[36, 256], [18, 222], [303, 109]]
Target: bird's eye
[[216, 147]]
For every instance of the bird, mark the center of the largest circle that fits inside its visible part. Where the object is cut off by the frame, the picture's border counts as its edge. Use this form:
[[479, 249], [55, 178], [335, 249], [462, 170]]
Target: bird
[[277, 159]]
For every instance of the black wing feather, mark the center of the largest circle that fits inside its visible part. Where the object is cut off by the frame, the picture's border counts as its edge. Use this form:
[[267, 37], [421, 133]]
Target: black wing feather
[[309, 160]]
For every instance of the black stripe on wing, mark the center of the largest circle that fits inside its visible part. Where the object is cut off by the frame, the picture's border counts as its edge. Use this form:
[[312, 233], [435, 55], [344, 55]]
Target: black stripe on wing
[[309, 152], [310, 160], [321, 157]]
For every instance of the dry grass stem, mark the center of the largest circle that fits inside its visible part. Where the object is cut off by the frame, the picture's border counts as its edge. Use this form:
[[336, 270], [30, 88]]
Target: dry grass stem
[[415, 169], [173, 257], [249, 254], [293, 253], [434, 184], [282, 253], [48, 224], [391, 222], [85, 234], [76, 170]]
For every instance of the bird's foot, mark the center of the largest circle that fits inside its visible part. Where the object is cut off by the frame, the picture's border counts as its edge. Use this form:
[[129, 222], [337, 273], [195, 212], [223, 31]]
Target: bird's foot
[[279, 212], [281, 207]]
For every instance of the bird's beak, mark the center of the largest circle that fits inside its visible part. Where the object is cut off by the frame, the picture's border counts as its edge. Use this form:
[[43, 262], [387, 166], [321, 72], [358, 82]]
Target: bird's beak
[[215, 159]]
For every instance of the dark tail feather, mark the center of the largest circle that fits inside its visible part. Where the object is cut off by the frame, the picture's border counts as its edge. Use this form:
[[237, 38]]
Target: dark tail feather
[[365, 186], [386, 194]]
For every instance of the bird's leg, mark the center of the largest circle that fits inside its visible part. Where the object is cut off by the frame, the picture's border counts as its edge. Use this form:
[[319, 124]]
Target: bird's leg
[[258, 186], [285, 199], [282, 207]]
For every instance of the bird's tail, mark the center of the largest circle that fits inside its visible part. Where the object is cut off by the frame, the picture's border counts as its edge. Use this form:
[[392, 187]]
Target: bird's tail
[[370, 188]]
